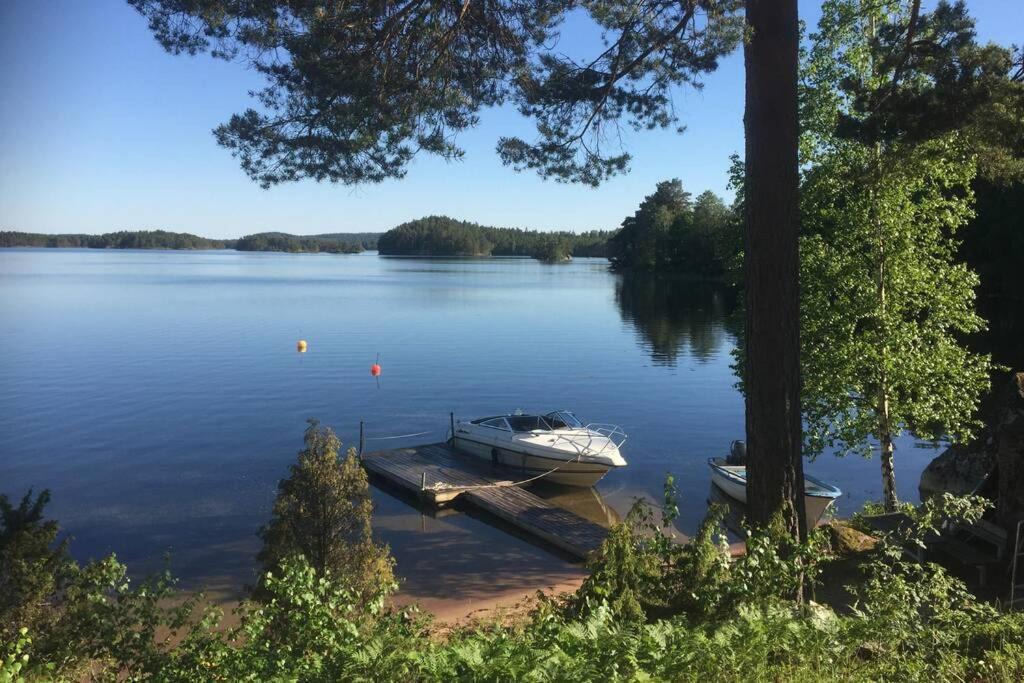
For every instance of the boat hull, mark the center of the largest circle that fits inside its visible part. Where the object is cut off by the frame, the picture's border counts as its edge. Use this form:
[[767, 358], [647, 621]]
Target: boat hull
[[556, 468], [735, 487]]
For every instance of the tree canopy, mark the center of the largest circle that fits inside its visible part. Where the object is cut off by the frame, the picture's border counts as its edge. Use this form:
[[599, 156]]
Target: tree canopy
[[273, 241], [671, 232], [355, 90]]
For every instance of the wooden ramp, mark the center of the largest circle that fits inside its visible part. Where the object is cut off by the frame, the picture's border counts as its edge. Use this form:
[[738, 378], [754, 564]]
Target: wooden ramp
[[440, 474]]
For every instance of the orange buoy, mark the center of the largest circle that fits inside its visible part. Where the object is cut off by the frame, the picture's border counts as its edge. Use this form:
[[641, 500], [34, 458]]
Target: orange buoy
[[301, 346], [375, 370]]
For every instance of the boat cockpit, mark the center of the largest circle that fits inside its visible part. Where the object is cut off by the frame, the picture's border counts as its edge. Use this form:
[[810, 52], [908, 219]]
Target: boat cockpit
[[558, 419]]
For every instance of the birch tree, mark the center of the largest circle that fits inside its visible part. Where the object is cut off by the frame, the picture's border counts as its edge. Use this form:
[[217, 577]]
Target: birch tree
[[885, 306]]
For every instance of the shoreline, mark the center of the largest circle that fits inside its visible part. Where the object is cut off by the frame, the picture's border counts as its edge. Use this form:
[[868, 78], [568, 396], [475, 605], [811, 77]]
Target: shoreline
[[446, 613], [481, 606]]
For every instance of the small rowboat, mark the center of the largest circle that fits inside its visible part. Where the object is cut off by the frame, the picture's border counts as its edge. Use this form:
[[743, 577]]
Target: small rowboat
[[731, 477]]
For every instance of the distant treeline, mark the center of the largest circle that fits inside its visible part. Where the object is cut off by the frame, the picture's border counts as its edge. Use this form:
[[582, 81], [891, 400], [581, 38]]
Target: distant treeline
[[443, 236], [335, 243], [367, 240], [123, 239], [668, 233]]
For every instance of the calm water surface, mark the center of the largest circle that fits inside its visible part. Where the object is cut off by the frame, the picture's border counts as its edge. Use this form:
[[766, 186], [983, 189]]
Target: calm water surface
[[159, 395]]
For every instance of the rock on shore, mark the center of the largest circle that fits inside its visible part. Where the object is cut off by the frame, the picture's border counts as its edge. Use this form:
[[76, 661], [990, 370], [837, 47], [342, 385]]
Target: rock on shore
[[999, 448]]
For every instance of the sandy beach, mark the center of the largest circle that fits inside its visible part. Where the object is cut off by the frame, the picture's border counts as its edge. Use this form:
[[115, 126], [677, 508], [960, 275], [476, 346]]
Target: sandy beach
[[479, 606]]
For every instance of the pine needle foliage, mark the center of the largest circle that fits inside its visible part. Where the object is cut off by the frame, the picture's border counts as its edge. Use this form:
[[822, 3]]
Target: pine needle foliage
[[31, 561]]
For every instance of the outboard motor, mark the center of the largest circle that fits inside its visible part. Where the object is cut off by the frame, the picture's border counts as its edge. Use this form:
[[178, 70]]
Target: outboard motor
[[737, 453]]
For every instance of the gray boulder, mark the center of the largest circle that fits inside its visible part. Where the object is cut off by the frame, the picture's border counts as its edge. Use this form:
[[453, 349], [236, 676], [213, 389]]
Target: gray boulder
[[997, 451], [960, 469]]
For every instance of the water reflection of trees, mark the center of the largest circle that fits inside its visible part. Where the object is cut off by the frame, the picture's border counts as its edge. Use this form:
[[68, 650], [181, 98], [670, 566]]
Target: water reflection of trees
[[673, 315]]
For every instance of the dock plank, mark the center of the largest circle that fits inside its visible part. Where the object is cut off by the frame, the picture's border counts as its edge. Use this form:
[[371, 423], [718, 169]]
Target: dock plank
[[477, 483]]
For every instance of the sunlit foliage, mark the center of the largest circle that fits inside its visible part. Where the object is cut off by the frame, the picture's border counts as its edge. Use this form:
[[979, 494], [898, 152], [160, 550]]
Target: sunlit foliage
[[885, 306], [653, 610], [670, 232]]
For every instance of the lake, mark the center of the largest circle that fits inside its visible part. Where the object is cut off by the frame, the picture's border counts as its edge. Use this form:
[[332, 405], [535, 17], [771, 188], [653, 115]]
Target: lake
[[160, 397]]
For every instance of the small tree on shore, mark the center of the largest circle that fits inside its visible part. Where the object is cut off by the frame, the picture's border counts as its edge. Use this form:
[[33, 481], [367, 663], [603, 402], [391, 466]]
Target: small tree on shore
[[323, 512], [885, 307], [31, 563]]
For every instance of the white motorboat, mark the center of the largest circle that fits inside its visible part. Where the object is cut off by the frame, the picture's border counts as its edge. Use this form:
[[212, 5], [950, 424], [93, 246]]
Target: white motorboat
[[730, 475], [556, 447]]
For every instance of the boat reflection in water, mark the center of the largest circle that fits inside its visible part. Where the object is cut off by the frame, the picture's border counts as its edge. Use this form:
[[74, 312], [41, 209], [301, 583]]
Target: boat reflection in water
[[585, 502]]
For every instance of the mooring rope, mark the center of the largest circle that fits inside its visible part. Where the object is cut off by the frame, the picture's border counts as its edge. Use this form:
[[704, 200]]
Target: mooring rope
[[441, 485], [399, 436]]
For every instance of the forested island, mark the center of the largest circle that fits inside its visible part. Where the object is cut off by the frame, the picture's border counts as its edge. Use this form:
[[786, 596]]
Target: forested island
[[334, 243], [444, 236], [669, 232]]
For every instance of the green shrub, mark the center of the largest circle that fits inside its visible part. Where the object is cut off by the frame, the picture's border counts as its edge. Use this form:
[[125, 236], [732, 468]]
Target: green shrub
[[642, 572], [323, 512], [652, 610]]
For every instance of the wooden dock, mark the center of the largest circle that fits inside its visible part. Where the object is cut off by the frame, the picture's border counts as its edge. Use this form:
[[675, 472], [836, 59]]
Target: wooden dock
[[440, 474]]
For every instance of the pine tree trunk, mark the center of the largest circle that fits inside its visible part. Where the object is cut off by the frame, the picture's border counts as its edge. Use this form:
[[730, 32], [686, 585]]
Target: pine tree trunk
[[775, 479]]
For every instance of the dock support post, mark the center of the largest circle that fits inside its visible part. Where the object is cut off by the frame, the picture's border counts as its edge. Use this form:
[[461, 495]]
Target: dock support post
[[451, 418], [423, 481], [362, 439]]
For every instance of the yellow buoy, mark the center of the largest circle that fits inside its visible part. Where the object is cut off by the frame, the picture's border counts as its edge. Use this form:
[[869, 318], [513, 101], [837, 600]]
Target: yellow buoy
[[301, 346]]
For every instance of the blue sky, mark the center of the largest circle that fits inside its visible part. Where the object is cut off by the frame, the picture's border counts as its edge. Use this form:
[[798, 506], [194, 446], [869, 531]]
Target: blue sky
[[101, 130]]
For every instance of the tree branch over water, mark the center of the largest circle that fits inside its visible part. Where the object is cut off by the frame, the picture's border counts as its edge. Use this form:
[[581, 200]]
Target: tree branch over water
[[356, 90]]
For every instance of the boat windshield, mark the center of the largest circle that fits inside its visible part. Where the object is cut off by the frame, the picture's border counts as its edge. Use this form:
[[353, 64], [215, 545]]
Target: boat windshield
[[562, 419], [527, 423]]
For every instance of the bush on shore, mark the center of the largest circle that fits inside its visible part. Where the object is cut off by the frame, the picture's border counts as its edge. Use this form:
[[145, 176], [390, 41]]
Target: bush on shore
[[651, 610]]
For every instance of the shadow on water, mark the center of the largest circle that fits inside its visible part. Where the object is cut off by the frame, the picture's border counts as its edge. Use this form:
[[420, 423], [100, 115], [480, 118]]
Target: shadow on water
[[675, 315], [459, 552], [586, 503]]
